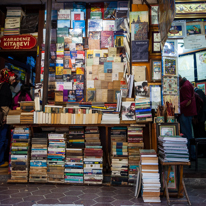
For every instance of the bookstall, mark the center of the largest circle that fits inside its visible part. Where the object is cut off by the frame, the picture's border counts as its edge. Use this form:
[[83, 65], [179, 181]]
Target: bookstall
[[106, 96]]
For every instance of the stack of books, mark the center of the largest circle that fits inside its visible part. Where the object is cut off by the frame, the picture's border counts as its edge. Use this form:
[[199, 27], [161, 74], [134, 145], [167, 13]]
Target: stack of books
[[13, 20], [27, 106], [75, 139], [119, 150], [38, 162], [74, 166], [143, 110], [26, 117], [150, 176], [135, 143], [110, 118], [173, 149], [19, 161], [13, 117], [93, 161], [55, 158]]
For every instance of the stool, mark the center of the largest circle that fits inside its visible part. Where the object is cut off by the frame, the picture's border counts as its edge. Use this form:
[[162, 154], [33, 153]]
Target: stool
[[181, 182], [197, 142]]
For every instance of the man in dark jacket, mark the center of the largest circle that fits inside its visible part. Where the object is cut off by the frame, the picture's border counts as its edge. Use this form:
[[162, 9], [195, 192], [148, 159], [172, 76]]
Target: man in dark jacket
[[188, 110]]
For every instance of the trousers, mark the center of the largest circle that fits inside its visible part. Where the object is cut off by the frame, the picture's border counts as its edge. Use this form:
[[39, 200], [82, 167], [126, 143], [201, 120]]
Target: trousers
[[186, 129], [3, 142]]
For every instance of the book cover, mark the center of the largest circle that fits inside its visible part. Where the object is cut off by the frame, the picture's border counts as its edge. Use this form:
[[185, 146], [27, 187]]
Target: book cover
[[108, 25], [76, 15], [91, 95], [96, 15], [67, 77], [80, 55], [110, 9], [102, 60], [79, 85], [62, 32], [79, 95], [63, 23], [140, 51], [128, 111], [122, 5], [121, 14], [73, 54], [141, 89], [79, 24], [80, 70], [107, 67], [107, 39], [137, 17], [94, 35], [97, 53], [119, 25], [64, 14], [67, 41], [139, 31], [97, 7], [94, 25], [76, 35], [79, 47], [90, 54], [80, 78], [70, 96], [80, 6], [94, 44]]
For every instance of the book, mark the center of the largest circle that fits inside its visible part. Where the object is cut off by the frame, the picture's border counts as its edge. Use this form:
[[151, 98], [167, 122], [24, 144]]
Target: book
[[63, 23], [94, 35], [107, 39], [96, 15], [139, 31], [76, 35], [79, 24], [76, 15], [64, 14], [128, 110], [110, 9], [91, 95], [94, 25], [120, 25], [108, 25], [140, 51]]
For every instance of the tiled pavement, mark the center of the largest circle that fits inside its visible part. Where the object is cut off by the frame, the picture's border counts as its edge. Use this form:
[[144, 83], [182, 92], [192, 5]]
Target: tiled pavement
[[29, 194]]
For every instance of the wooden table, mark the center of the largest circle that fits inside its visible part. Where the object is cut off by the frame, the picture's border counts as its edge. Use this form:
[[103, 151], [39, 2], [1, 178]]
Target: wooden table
[[181, 180]]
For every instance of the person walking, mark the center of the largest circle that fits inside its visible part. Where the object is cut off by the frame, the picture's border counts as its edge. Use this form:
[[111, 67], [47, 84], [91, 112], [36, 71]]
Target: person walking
[[7, 78], [188, 111]]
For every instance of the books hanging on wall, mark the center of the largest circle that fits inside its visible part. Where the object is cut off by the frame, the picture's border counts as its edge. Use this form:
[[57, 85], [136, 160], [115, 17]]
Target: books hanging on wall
[[140, 51]]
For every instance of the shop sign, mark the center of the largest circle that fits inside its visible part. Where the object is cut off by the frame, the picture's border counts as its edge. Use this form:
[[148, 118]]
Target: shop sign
[[18, 42]]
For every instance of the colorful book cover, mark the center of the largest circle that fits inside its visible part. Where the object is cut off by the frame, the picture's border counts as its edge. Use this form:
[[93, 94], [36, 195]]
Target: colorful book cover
[[80, 85], [139, 31], [63, 23], [121, 14], [80, 54], [97, 7], [94, 25], [110, 9], [90, 54], [119, 25], [60, 40], [69, 95], [79, 95], [76, 35], [80, 78], [107, 39], [108, 25], [79, 47], [96, 15], [62, 32], [80, 6], [80, 70], [79, 24], [64, 14], [94, 35], [107, 67], [91, 95], [102, 60], [122, 5], [73, 54], [67, 77], [128, 110], [76, 15]]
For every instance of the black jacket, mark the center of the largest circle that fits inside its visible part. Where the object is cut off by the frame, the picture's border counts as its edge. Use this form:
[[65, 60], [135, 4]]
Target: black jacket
[[202, 113], [5, 95]]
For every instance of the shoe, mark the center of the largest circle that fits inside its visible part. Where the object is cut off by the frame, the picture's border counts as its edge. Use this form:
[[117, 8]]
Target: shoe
[[6, 164]]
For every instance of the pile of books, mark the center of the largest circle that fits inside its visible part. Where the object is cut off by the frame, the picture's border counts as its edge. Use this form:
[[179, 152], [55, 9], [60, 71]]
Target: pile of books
[[135, 143], [38, 162], [56, 158], [173, 149], [93, 157], [75, 138], [13, 20], [110, 118], [74, 166], [27, 106], [13, 117], [150, 176], [119, 158], [19, 161], [143, 110], [26, 117]]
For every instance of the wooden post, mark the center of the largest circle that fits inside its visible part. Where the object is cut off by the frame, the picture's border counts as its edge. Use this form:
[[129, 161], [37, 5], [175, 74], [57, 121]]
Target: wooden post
[[47, 52], [40, 42]]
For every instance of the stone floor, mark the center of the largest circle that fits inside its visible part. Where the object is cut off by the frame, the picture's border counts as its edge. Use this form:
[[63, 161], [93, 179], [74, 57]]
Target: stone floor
[[30, 194]]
